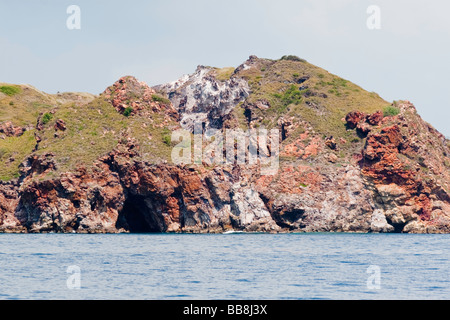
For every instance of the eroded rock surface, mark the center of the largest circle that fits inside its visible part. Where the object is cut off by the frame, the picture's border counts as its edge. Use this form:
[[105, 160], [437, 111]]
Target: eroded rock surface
[[393, 176]]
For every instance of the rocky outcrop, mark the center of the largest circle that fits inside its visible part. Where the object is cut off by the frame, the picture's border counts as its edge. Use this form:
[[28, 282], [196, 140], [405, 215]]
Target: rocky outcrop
[[201, 98], [393, 176], [363, 122], [8, 129], [130, 96], [9, 200], [402, 162], [120, 194]]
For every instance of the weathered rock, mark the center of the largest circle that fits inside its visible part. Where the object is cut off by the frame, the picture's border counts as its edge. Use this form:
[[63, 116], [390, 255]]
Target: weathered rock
[[394, 178], [408, 196], [353, 118], [138, 97], [8, 129], [60, 125], [201, 98], [375, 118]]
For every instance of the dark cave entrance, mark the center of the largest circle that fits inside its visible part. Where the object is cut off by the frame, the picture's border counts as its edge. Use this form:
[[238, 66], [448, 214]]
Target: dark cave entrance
[[398, 227], [137, 217]]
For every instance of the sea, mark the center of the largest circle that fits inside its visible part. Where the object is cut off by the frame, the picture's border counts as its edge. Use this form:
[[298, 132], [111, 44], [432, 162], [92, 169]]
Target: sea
[[237, 266]]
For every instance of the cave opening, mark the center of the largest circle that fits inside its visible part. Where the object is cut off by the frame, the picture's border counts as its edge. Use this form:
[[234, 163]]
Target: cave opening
[[137, 217], [398, 227]]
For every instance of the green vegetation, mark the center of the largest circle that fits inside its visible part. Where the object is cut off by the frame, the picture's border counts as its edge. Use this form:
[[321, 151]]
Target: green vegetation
[[10, 90], [167, 136], [291, 96], [47, 117], [24, 109], [303, 185], [224, 73], [292, 58], [13, 151], [96, 128], [314, 105], [391, 111], [160, 99], [127, 112]]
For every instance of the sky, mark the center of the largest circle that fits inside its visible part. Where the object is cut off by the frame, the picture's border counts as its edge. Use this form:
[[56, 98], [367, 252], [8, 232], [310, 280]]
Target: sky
[[158, 41]]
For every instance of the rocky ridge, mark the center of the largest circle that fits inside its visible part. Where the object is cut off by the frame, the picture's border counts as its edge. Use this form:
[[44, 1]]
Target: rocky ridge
[[371, 173]]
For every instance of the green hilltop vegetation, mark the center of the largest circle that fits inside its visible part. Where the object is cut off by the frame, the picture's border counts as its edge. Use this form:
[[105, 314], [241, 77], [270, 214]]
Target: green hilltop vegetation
[[296, 89]]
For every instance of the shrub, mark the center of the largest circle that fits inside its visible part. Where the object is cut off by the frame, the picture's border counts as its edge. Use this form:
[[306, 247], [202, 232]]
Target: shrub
[[127, 112], [291, 95], [390, 111], [166, 136], [10, 90], [46, 118], [158, 98], [167, 140], [292, 58]]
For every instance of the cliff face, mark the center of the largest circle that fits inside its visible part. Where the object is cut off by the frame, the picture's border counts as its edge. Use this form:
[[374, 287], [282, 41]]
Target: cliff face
[[344, 163]]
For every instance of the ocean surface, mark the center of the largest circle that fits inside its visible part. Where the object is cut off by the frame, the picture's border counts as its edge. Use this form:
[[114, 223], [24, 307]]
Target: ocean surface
[[224, 266]]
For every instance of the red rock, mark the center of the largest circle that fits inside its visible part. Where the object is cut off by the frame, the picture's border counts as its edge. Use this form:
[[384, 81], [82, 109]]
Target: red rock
[[375, 118], [386, 162], [353, 118], [363, 128], [60, 125], [129, 92], [9, 130]]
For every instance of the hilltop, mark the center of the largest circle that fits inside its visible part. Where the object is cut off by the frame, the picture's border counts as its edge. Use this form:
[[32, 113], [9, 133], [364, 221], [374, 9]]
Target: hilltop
[[349, 160]]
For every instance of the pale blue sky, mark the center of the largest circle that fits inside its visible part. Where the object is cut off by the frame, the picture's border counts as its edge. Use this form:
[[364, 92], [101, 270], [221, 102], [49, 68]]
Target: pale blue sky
[[158, 41]]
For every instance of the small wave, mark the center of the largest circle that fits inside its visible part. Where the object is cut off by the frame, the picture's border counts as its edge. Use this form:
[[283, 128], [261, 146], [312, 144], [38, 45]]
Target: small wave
[[232, 232]]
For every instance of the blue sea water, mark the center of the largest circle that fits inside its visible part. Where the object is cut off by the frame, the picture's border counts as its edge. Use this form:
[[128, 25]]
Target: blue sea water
[[224, 266]]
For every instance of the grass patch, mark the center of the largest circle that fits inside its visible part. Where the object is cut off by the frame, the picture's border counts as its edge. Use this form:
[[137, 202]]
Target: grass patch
[[158, 98], [95, 129], [390, 111], [46, 118], [166, 136], [291, 96], [24, 109], [303, 185], [127, 112], [224, 74], [13, 151]]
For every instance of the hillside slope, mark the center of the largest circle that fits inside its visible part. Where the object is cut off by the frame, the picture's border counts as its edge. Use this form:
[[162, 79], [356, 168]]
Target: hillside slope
[[349, 161]]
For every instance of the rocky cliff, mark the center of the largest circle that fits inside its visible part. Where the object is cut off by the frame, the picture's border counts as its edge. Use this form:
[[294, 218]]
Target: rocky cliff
[[348, 160]]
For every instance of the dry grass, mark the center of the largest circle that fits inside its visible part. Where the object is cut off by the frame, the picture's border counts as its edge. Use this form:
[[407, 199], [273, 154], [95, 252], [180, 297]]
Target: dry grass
[[95, 129], [224, 74], [13, 151]]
